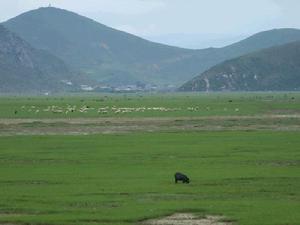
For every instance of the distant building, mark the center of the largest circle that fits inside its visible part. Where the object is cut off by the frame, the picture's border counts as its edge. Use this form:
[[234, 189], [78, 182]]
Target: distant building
[[86, 88]]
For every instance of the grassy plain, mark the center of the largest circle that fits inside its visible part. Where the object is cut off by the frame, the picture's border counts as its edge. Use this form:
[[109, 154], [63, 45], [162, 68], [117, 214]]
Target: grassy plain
[[150, 105], [251, 176]]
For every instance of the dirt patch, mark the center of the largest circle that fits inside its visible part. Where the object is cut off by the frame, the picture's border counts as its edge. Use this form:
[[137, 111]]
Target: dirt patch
[[285, 111], [5, 214], [10, 223], [187, 219], [85, 126], [279, 163]]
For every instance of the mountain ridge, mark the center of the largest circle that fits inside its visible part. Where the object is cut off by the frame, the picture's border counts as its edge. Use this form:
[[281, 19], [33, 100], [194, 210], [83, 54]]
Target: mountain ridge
[[272, 69], [25, 69], [110, 56], [112, 51]]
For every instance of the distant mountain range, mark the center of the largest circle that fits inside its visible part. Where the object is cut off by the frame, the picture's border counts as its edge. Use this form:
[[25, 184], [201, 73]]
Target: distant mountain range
[[25, 69], [63, 41], [195, 41], [272, 69], [113, 57]]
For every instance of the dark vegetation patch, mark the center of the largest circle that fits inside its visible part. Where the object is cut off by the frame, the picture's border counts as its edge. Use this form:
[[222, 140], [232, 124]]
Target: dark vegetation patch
[[279, 163]]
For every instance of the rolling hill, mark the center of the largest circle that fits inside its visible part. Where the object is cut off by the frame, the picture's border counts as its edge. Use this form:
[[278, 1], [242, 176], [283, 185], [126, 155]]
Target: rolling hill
[[92, 48], [25, 69], [114, 57], [272, 69]]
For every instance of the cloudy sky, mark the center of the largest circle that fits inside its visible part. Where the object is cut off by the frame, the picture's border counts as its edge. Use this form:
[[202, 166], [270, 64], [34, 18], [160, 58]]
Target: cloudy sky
[[186, 23]]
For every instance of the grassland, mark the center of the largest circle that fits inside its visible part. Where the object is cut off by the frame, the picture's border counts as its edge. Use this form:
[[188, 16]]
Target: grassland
[[251, 177], [156, 105], [243, 164]]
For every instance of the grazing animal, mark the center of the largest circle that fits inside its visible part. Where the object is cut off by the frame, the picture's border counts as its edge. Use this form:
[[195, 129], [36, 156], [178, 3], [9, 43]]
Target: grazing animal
[[181, 177]]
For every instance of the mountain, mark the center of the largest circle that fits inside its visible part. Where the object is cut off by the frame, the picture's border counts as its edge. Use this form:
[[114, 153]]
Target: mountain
[[196, 40], [115, 57], [206, 58], [25, 69], [272, 69], [92, 48]]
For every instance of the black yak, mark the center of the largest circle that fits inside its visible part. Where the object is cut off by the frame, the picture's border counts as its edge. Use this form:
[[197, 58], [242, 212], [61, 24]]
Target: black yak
[[181, 177]]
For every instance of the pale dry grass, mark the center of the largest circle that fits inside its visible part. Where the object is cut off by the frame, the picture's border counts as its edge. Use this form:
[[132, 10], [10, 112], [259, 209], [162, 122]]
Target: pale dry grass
[[187, 219], [83, 126]]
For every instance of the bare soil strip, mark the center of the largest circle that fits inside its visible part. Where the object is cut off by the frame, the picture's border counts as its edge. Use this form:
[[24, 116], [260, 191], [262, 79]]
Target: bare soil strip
[[187, 219], [79, 126], [143, 119]]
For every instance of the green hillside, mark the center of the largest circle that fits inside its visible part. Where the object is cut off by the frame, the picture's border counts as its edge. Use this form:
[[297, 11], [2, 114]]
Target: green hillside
[[25, 69], [114, 57], [273, 69], [91, 47]]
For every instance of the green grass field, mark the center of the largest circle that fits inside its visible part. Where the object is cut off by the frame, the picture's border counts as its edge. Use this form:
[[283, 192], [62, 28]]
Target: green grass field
[[250, 177], [155, 105]]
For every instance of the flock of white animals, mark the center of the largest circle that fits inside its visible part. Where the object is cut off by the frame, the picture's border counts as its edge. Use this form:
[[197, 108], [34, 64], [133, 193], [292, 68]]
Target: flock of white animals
[[109, 109]]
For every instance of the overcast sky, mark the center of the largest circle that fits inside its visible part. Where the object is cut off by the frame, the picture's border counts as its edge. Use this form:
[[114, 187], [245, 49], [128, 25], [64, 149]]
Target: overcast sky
[[187, 23]]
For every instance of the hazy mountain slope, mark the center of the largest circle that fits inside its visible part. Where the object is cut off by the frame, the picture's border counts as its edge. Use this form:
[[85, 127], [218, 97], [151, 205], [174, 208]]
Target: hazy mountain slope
[[265, 39], [25, 69], [112, 56], [90, 46], [272, 69], [206, 58]]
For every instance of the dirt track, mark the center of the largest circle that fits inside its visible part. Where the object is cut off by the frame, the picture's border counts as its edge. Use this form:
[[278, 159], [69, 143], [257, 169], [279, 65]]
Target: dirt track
[[127, 119], [77, 126]]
